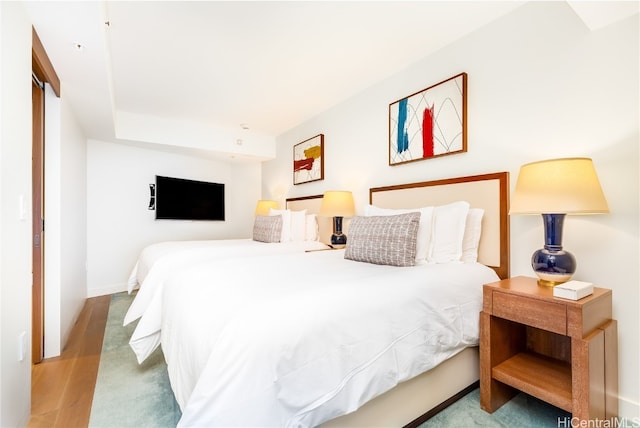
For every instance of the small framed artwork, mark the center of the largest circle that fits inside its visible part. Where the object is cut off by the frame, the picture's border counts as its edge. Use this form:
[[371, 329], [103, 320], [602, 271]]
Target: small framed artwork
[[429, 123], [308, 160]]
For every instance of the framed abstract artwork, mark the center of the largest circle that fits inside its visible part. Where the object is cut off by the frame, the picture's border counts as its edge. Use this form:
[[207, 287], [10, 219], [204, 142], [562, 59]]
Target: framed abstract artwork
[[308, 160], [429, 123]]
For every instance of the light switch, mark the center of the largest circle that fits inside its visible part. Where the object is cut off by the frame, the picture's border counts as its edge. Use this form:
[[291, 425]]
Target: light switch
[[22, 345]]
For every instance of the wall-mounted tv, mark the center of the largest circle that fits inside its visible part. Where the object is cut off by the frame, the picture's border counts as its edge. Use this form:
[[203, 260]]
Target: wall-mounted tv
[[181, 199]]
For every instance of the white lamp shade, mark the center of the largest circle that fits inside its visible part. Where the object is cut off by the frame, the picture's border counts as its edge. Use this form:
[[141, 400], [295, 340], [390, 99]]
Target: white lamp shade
[[264, 206], [558, 186], [337, 203]]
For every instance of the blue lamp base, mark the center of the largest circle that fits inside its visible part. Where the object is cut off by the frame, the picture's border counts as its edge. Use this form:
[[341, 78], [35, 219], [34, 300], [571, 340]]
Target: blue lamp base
[[338, 239], [552, 264], [553, 268]]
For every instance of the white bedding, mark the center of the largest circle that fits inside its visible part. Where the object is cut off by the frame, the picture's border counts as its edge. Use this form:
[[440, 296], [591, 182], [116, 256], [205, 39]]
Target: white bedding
[[296, 340], [158, 261], [154, 252]]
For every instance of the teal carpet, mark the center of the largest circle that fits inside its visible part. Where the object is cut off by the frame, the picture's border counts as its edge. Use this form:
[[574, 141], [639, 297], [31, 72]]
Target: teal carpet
[[521, 411], [128, 394], [132, 395]]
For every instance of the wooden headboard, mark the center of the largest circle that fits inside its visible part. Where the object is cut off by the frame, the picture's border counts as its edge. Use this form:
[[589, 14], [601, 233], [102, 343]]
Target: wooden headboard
[[488, 191]]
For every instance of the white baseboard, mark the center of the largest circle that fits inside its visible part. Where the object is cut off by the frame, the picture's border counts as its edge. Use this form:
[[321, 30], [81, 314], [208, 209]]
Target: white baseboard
[[110, 289]]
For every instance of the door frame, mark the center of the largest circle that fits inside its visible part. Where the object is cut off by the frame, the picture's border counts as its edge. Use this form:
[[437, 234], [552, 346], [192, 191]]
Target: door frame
[[44, 72], [37, 224]]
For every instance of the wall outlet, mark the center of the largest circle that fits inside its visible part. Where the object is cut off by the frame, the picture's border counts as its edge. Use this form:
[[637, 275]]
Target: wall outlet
[[22, 345]]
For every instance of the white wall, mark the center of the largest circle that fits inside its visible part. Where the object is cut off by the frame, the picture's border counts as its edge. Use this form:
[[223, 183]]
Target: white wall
[[73, 224], [541, 86], [65, 222], [15, 231], [119, 223]]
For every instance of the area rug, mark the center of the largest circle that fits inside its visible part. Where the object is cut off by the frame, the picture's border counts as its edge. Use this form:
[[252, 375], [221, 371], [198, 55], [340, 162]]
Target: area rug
[[131, 395], [522, 411]]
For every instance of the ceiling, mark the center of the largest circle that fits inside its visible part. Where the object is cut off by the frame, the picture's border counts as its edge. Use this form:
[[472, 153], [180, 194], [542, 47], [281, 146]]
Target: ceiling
[[226, 71]]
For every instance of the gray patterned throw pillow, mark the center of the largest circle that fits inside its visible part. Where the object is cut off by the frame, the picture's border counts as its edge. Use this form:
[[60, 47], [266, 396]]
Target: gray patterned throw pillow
[[267, 228], [384, 240]]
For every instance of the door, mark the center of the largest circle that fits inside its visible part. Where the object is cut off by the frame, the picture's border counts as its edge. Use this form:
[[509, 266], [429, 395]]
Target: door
[[37, 203]]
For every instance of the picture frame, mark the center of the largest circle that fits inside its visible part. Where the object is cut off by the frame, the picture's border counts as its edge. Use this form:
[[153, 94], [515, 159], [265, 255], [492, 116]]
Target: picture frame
[[308, 160], [429, 123]]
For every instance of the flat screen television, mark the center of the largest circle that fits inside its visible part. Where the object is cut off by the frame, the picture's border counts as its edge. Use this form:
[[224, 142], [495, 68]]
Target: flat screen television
[[181, 199]]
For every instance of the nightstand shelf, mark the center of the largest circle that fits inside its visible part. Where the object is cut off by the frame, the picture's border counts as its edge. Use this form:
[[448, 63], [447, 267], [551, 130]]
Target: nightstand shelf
[[546, 378], [561, 351]]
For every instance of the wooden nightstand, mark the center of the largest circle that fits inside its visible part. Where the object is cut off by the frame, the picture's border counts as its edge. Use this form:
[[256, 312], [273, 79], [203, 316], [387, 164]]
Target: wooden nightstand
[[564, 352]]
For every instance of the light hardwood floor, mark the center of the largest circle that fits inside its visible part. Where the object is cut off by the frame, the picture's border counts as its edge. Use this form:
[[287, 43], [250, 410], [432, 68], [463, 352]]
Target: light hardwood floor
[[62, 387]]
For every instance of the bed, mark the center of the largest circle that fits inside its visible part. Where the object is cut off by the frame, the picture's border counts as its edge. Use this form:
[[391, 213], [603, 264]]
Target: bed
[[239, 335], [416, 400], [159, 261]]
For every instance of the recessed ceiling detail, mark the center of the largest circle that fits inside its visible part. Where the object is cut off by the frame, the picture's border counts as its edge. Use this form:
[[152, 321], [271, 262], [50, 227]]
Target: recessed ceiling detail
[[211, 65]]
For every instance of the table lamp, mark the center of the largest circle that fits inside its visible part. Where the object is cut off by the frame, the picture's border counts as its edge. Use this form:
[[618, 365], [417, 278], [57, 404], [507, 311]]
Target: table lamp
[[337, 204], [264, 206], [555, 188]]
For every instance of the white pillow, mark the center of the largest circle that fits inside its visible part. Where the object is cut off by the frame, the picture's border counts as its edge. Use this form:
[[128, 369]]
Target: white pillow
[[293, 224], [424, 226], [311, 229], [298, 225], [472, 232], [286, 223], [447, 232]]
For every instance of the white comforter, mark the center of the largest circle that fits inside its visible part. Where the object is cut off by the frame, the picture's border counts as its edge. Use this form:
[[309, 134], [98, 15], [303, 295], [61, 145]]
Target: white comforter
[[158, 261], [297, 340], [151, 254]]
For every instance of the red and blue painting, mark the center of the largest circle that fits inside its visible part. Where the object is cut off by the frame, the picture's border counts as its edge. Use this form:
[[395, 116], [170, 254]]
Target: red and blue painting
[[429, 123]]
